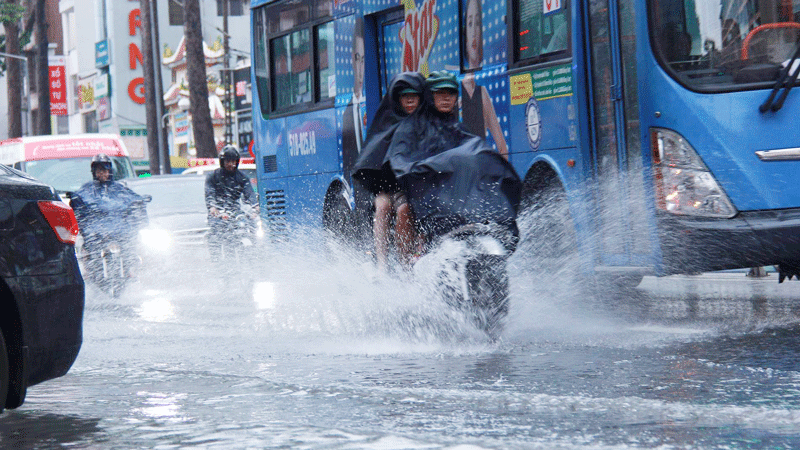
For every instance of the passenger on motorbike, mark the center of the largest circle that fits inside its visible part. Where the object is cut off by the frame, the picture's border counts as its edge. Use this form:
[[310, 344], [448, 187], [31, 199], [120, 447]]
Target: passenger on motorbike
[[374, 172], [451, 177], [226, 189], [107, 212]]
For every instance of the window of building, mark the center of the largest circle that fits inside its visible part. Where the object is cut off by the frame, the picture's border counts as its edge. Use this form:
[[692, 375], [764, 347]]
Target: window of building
[[235, 7], [90, 122], [175, 12], [71, 30], [539, 34]]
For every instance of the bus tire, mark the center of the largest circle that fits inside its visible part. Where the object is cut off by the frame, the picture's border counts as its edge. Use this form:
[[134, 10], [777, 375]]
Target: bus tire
[[548, 233], [336, 214]]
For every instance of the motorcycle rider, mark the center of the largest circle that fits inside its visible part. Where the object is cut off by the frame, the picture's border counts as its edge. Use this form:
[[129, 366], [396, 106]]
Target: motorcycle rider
[[403, 99], [106, 209], [450, 176], [225, 191]]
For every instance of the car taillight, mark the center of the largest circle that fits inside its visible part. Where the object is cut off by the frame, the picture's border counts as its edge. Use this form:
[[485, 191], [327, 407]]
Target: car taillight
[[61, 219]]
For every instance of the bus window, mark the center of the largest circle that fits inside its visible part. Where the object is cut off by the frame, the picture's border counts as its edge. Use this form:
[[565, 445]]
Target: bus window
[[299, 35], [326, 85], [291, 69], [723, 45], [287, 15], [541, 34], [260, 59]]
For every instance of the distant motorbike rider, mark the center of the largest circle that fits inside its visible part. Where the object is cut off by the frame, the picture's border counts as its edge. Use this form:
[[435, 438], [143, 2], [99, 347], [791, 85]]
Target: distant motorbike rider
[[106, 209], [226, 189]]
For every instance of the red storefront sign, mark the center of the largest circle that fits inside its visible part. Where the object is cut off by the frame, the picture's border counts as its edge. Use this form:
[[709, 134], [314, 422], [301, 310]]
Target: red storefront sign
[[58, 87]]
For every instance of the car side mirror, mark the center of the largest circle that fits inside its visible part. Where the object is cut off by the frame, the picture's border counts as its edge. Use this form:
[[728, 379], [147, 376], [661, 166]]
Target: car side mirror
[[147, 198]]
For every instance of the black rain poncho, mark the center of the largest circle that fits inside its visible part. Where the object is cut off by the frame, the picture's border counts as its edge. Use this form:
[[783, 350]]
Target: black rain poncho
[[450, 176], [371, 168]]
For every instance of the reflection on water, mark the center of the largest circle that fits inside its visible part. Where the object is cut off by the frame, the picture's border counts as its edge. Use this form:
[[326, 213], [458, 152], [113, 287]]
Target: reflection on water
[[157, 309], [161, 406], [31, 430]]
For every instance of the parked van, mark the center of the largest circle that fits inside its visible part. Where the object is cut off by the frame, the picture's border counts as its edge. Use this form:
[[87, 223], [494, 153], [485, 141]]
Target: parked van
[[64, 161]]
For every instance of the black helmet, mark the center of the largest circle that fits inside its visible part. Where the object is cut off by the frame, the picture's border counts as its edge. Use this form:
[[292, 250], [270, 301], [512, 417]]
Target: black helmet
[[228, 153], [102, 160]]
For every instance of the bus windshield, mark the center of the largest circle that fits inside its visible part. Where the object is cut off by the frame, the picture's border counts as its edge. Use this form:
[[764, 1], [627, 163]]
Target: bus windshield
[[724, 45]]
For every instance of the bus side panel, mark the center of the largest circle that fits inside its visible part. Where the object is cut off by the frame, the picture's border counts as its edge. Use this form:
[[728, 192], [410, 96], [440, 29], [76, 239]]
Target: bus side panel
[[299, 157], [545, 131], [311, 145]]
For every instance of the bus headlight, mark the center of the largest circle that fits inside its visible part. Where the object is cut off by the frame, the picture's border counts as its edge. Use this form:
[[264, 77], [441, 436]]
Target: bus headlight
[[683, 183]]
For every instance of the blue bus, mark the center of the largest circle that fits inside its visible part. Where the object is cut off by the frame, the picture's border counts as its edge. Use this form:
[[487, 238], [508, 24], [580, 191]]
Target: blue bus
[[657, 136]]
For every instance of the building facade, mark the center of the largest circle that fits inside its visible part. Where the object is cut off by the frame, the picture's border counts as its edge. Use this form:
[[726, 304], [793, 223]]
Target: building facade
[[105, 77]]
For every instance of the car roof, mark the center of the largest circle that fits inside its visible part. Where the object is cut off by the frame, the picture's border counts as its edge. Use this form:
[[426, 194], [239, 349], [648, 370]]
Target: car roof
[[170, 179], [210, 167]]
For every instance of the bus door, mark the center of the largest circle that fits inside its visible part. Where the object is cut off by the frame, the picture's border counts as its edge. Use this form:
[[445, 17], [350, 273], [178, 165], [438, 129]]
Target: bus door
[[389, 48], [620, 197]]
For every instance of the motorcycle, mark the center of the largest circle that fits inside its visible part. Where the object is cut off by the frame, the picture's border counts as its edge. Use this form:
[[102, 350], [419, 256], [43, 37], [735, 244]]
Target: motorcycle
[[233, 236], [108, 251], [469, 263]]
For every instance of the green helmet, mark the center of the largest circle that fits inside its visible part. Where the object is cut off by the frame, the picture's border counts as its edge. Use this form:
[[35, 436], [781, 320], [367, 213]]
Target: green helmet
[[441, 80]]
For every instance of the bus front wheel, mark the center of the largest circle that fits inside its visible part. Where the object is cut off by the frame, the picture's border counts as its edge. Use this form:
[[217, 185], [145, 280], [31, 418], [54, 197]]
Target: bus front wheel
[[547, 232], [336, 214]]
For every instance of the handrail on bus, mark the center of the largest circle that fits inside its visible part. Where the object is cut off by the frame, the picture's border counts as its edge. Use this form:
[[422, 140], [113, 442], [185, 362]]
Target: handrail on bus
[[766, 26]]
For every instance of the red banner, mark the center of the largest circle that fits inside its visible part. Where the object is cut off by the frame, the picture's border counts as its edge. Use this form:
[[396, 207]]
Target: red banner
[[58, 87]]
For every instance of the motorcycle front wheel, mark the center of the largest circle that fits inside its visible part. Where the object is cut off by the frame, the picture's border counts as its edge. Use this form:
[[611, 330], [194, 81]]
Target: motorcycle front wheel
[[487, 291]]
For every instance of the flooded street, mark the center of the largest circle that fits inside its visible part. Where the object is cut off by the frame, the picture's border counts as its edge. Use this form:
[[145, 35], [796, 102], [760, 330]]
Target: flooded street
[[320, 351]]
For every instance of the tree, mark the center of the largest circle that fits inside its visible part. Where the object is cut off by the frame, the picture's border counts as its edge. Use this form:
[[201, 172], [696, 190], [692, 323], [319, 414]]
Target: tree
[[150, 93], [198, 88], [153, 90], [42, 125], [10, 15]]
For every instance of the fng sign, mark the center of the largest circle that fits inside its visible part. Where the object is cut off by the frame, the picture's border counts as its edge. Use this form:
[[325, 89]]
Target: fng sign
[[551, 6], [136, 86]]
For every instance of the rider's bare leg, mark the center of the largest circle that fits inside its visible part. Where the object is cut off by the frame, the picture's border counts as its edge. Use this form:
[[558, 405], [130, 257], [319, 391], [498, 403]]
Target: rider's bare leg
[[406, 235], [380, 228]]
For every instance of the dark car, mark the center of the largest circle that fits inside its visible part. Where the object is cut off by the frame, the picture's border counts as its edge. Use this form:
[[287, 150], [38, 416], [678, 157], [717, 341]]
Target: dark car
[[42, 301]]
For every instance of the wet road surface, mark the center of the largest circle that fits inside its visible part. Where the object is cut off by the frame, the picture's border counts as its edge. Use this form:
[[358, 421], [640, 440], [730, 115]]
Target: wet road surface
[[323, 352]]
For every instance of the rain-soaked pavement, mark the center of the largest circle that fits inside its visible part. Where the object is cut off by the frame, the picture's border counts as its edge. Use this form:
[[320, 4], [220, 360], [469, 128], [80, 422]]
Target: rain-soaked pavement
[[317, 350]]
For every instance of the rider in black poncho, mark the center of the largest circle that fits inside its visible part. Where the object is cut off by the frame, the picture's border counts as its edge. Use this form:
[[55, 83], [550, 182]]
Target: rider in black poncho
[[451, 177], [373, 171]]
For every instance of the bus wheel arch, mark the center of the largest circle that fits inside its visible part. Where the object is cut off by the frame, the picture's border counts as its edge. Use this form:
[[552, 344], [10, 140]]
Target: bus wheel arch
[[547, 231], [336, 211]]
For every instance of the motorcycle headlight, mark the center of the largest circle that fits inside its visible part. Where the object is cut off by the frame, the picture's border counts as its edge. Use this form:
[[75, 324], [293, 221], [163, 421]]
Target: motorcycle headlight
[[156, 240], [683, 183]]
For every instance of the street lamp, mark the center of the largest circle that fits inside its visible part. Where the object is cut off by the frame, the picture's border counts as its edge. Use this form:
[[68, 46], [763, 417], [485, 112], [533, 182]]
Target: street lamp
[[183, 105]]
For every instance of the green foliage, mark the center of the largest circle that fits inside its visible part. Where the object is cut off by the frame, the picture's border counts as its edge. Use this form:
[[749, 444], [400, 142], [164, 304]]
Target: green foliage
[[10, 13]]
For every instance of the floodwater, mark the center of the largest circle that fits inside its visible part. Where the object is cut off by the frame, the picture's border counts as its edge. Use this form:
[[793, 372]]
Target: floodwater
[[316, 349]]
